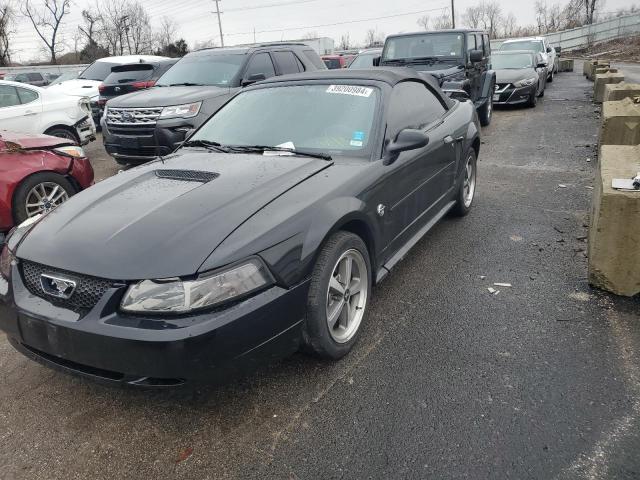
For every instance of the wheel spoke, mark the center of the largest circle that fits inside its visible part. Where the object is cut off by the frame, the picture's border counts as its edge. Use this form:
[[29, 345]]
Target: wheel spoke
[[345, 315], [345, 270], [335, 285], [355, 286], [53, 193], [335, 313], [60, 198]]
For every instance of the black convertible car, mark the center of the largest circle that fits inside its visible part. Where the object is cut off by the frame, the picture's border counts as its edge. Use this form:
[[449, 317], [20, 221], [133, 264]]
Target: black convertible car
[[263, 234]]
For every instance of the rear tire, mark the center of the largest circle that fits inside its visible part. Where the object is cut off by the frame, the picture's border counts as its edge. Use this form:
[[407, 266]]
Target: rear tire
[[335, 310], [466, 191], [486, 111], [36, 190], [63, 133], [550, 77]]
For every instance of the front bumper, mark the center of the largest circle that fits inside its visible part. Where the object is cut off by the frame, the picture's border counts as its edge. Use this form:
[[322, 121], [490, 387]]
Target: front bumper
[[510, 95], [86, 129], [109, 346], [138, 144]]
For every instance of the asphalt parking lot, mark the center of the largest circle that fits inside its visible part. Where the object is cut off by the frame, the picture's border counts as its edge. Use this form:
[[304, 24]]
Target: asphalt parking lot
[[539, 381]]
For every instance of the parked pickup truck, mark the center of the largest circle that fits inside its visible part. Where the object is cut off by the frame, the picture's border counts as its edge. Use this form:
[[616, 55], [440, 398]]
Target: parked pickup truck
[[460, 60]]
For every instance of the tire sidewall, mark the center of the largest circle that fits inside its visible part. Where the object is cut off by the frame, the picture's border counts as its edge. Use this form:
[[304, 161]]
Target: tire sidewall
[[460, 208], [316, 333]]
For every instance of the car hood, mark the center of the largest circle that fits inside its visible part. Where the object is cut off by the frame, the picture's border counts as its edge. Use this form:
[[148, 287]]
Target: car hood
[[509, 75], [27, 141], [138, 225], [166, 96], [77, 88]]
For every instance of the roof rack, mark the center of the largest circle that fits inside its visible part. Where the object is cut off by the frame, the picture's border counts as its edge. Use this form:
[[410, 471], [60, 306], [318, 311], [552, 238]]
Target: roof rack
[[277, 44]]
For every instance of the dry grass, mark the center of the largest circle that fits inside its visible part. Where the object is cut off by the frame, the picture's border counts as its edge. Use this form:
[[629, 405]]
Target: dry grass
[[627, 49]]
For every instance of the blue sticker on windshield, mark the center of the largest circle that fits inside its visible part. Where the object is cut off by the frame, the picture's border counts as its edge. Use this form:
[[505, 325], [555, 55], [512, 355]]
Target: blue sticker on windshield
[[358, 136]]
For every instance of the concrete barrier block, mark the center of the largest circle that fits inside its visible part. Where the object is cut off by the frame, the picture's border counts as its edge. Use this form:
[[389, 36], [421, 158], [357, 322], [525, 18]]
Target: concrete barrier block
[[565, 65], [621, 122], [599, 68], [614, 233], [603, 79], [618, 91]]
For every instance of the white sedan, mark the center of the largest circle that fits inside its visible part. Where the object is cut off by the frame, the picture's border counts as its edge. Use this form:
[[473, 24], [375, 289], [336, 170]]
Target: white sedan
[[30, 109]]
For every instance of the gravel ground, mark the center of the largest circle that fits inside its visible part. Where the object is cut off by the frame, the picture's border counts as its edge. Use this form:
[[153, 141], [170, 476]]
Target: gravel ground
[[541, 380]]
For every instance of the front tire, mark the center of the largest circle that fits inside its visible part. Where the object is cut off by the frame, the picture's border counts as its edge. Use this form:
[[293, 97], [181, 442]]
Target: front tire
[[40, 193], [550, 78], [533, 100], [467, 190], [338, 296], [63, 133]]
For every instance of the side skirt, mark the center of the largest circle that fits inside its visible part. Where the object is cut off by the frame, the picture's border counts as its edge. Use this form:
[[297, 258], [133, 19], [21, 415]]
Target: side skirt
[[402, 252]]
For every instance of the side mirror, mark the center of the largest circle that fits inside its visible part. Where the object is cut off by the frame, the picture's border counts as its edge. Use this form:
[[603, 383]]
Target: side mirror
[[558, 49], [475, 56], [407, 139], [256, 77], [376, 61], [548, 49], [541, 65]]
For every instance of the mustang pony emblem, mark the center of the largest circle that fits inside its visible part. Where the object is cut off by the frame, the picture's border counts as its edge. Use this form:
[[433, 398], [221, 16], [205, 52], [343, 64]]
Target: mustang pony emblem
[[57, 287]]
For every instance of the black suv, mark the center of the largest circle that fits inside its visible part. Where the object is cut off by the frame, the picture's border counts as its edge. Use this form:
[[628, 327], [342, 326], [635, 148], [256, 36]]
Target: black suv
[[459, 59], [139, 126]]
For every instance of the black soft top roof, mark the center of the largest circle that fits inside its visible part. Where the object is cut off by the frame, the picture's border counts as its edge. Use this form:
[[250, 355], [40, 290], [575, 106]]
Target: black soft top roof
[[388, 75]]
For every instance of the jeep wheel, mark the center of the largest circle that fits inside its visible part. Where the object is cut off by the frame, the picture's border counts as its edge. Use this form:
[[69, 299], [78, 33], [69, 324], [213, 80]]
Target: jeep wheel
[[486, 111]]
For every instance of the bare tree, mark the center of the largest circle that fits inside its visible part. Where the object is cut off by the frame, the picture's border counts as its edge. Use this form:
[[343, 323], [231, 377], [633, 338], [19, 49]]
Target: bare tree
[[167, 32], [472, 16], [46, 21], [6, 23], [345, 42], [509, 26], [492, 17], [424, 22], [590, 9], [91, 20], [138, 32], [442, 22], [310, 36]]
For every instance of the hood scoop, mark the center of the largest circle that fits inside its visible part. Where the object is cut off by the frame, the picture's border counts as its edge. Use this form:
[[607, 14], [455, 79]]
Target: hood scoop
[[187, 175]]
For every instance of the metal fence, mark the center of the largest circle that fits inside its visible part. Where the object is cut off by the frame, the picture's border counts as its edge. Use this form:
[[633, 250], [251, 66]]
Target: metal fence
[[58, 69], [582, 37]]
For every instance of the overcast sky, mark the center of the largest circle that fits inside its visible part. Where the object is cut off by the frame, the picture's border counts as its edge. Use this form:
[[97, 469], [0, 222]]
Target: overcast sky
[[281, 19]]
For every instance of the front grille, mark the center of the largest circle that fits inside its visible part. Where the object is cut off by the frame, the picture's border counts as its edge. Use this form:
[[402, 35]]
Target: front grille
[[187, 175], [89, 290], [135, 131], [133, 116]]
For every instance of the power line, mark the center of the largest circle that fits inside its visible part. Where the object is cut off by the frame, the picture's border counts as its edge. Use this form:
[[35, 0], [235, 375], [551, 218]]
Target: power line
[[346, 22]]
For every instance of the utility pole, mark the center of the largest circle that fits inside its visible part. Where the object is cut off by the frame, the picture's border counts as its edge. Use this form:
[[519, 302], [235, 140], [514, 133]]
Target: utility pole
[[220, 22], [453, 15]]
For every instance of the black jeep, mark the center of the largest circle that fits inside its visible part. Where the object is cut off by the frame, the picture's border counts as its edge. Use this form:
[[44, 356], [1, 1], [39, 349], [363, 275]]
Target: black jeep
[[459, 59]]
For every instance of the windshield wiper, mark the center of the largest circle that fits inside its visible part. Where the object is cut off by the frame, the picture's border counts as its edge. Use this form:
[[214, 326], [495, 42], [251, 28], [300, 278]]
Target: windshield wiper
[[186, 84], [394, 60], [265, 148], [213, 146]]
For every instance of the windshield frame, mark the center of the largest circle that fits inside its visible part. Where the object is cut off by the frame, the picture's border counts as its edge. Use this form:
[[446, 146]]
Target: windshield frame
[[520, 42], [387, 43], [373, 152], [233, 81], [507, 53]]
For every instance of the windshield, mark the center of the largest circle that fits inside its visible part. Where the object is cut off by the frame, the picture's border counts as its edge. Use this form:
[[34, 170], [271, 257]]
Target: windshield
[[534, 45], [137, 73], [428, 45], [214, 69], [97, 71], [364, 60], [331, 119], [512, 60]]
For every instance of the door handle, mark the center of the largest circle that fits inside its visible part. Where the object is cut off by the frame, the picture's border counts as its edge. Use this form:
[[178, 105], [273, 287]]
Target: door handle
[[28, 113]]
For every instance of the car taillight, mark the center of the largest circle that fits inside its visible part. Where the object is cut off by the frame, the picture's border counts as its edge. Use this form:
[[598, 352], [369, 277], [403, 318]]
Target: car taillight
[[102, 102], [148, 84], [101, 88]]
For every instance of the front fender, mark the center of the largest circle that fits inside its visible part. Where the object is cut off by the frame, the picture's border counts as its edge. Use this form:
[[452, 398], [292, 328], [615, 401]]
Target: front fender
[[488, 80]]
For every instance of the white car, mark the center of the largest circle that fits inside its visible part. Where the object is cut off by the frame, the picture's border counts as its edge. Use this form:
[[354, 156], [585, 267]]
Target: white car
[[538, 45], [87, 83], [30, 109]]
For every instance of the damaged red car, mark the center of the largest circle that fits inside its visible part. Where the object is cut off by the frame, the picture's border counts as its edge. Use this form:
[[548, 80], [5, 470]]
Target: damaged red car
[[38, 173]]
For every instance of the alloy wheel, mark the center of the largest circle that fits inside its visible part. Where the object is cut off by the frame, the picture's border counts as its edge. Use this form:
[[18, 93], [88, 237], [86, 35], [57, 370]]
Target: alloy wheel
[[44, 197], [347, 296], [469, 184]]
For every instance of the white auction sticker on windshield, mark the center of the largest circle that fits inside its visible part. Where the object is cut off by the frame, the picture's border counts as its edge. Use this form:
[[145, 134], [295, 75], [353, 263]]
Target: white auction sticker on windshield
[[356, 90]]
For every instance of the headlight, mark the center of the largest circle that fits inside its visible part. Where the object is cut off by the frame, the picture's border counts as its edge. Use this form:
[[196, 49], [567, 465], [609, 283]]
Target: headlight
[[6, 259], [174, 295], [526, 82], [70, 151], [181, 111]]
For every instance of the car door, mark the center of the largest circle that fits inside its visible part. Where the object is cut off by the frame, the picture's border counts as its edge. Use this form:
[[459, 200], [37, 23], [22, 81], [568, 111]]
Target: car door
[[473, 72], [416, 182], [20, 109]]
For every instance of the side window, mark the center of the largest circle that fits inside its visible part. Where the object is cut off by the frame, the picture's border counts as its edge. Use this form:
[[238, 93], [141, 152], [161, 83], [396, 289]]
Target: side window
[[412, 105], [301, 66], [479, 43], [27, 96], [8, 96], [34, 77], [260, 63], [487, 45], [21, 77], [471, 43], [286, 62], [314, 58]]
